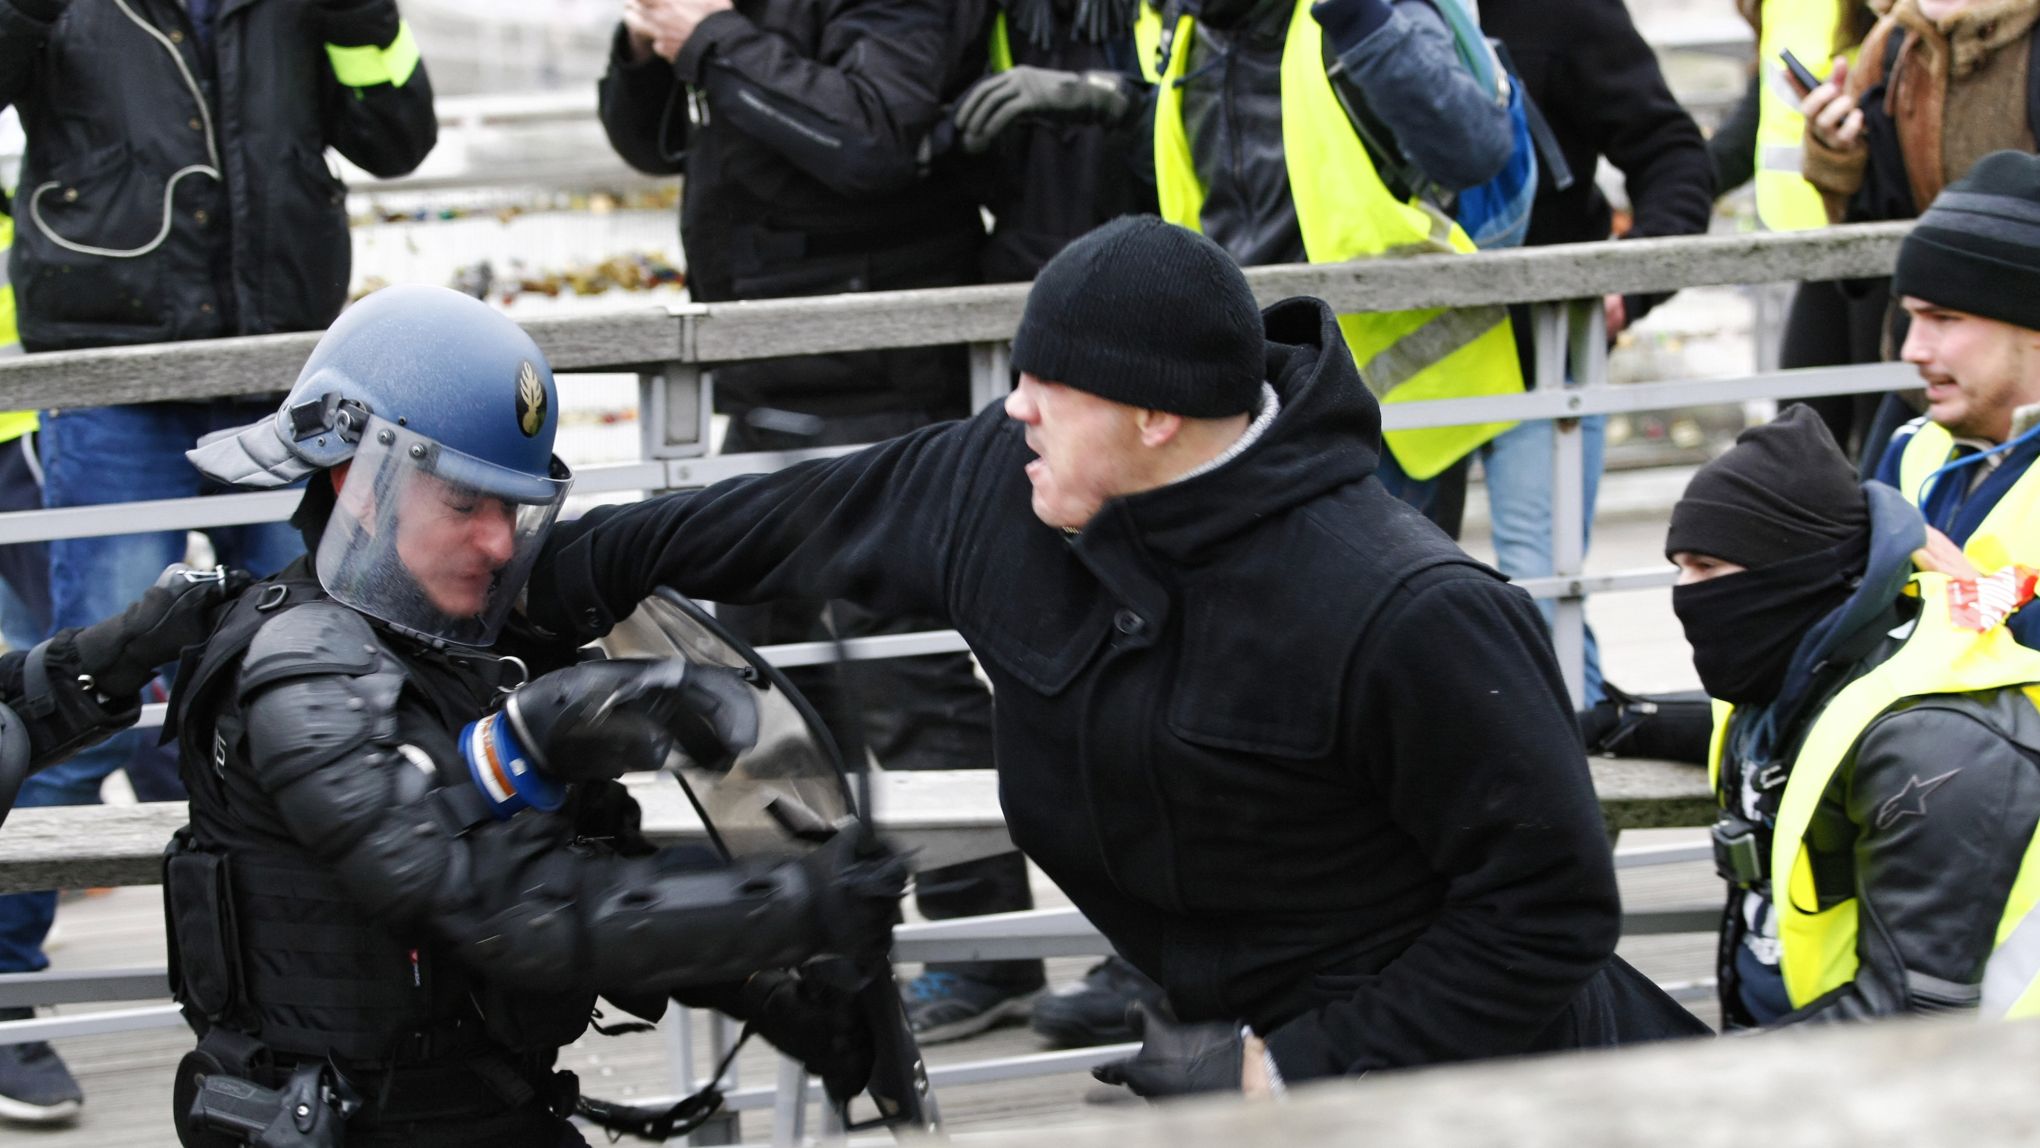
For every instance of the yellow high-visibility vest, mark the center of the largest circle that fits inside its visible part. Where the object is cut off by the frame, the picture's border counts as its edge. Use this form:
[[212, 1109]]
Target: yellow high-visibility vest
[[13, 424], [1347, 213], [1817, 947], [2009, 533], [1785, 201]]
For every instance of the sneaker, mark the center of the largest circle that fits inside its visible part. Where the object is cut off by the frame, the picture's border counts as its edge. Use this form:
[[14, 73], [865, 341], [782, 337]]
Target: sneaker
[[35, 1087], [1093, 1011], [946, 1006]]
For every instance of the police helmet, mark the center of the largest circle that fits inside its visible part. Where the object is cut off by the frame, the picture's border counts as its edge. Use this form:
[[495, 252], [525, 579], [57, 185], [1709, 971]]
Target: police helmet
[[444, 412]]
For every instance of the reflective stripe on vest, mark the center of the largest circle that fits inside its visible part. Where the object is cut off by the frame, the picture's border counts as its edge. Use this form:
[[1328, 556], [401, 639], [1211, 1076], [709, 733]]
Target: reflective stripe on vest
[[1785, 201], [13, 424], [366, 66], [1147, 43], [1346, 213], [2009, 533], [1000, 52], [1816, 947]]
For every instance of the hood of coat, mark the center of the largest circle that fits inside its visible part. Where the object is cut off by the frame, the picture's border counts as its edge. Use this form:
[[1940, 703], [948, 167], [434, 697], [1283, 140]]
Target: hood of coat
[[1967, 39], [1327, 434]]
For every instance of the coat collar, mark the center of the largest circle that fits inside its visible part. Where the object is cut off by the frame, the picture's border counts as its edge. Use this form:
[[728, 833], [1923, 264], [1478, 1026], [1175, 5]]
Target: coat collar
[[1968, 39]]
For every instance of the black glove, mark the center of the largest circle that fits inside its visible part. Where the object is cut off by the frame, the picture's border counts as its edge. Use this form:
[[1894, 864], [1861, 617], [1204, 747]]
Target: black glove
[[814, 1022], [1179, 1059], [122, 654], [997, 101], [858, 881], [604, 719]]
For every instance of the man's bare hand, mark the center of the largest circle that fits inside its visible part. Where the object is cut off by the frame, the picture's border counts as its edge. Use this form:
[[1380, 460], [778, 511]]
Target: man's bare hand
[[1832, 115], [1941, 556], [1254, 1080], [666, 25]]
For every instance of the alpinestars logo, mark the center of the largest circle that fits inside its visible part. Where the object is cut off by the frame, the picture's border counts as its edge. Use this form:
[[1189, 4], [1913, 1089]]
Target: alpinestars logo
[[1912, 800]]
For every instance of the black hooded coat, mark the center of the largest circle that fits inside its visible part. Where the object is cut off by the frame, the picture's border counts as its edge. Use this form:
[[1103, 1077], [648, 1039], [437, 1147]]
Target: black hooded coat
[[1301, 759]]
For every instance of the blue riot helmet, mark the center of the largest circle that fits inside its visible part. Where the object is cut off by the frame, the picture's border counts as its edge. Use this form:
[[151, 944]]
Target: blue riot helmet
[[444, 412]]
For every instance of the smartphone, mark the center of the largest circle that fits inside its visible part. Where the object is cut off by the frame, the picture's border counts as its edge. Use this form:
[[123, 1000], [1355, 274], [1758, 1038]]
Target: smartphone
[[1802, 77]]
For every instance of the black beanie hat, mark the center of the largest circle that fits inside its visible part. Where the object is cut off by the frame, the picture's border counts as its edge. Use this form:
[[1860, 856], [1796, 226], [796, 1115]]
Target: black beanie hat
[[1977, 248], [1783, 491], [1148, 314]]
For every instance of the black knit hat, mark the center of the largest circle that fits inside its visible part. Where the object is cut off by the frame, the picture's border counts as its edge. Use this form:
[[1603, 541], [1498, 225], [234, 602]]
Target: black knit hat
[[1977, 249], [1148, 314], [1784, 490]]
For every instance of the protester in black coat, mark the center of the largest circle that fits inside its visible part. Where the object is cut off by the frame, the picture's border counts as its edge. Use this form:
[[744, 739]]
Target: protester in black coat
[[1301, 759]]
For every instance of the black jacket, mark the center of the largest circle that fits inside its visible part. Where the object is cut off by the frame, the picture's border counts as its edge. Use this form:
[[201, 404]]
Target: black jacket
[[202, 190], [1300, 758], [1598, 84], [801, 127]]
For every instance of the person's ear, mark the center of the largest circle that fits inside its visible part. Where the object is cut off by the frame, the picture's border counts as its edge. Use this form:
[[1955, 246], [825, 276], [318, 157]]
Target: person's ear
[[1157, 428]]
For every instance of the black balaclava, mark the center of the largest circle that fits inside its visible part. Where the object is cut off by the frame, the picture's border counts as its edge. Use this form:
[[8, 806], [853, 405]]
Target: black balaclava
[[1783, 502]]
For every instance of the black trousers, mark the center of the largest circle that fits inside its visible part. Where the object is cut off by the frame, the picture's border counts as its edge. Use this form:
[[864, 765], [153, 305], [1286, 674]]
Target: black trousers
[[929, 712], [1837, 323]]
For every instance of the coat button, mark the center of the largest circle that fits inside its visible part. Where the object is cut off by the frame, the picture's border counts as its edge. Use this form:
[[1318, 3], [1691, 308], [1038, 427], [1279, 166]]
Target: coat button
[[70, 195], [1129, 623], [176, 36], [193, 123], [201, 216]]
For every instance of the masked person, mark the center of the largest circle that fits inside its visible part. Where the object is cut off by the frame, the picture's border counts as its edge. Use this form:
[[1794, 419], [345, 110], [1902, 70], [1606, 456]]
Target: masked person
[[406, 861], [1873, 745], [1329, 792]]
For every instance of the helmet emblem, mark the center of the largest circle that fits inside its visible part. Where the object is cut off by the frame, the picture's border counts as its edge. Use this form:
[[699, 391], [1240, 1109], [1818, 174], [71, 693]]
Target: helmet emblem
[[530, 400]]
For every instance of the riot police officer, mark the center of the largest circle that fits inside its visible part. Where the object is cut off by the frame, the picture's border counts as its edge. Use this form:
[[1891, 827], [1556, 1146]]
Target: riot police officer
[[393, 883]]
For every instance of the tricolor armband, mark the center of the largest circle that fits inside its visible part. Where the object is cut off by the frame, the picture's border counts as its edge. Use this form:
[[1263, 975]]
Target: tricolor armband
[[504, 772], [366, 66]]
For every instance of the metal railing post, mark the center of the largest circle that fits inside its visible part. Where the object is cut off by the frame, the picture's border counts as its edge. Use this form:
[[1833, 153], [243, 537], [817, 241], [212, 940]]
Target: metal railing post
[[1587, 362], [1550, 330], [991, 374]]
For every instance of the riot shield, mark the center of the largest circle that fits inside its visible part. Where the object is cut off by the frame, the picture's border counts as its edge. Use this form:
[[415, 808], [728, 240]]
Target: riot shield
[[782, 795]]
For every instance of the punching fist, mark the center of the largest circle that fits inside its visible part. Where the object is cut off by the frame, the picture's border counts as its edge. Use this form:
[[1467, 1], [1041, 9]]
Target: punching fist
[[608, 718]]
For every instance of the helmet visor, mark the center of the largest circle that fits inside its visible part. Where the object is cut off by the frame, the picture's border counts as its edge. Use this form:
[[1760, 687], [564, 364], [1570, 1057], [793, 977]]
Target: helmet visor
[[432, 541]]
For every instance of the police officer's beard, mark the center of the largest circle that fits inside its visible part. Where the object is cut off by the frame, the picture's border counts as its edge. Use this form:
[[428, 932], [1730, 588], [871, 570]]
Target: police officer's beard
[[1745, 627]]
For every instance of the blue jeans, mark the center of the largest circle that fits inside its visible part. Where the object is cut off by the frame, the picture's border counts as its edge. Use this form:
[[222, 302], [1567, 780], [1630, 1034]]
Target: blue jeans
[[1518, 468], [114, 454]]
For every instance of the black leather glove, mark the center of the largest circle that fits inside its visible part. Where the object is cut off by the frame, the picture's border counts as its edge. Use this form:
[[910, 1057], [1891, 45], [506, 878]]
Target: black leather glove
[[604, 719], [996, 102], [858, 881], [1179, 1059], [814, 1022], [122, 654]]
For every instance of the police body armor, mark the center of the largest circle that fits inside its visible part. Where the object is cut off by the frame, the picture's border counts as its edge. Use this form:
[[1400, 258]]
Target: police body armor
[[274, 964]]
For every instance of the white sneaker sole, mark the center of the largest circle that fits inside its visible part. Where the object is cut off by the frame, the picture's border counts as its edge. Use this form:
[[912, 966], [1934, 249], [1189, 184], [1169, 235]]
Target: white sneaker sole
[[1012, 1008], [25, 1113]]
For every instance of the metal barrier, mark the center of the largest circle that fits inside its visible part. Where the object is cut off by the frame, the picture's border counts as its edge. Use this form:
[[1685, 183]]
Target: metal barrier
[[674, 352]]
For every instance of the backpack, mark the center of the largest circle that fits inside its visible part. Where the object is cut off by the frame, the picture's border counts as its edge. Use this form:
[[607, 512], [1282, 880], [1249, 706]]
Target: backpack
[[1496, 213]]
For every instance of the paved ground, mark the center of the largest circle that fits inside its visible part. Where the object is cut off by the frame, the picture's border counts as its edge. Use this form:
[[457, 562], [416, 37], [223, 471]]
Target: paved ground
[[126, 1077]]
